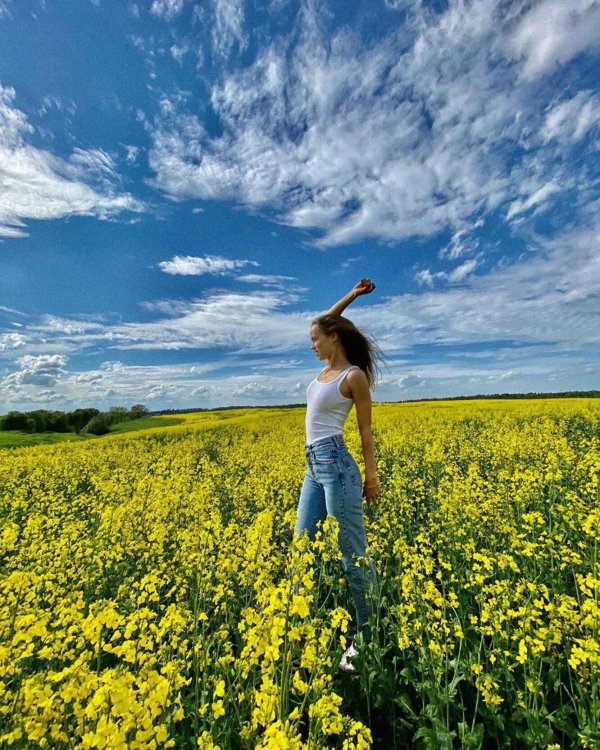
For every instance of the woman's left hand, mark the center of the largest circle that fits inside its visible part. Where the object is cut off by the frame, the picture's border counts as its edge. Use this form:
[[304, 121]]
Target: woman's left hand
[[372, 491]]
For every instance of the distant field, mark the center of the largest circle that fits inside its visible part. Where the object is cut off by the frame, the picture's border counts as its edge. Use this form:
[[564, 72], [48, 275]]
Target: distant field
[[195, 420], [19, 439], [145, 423]]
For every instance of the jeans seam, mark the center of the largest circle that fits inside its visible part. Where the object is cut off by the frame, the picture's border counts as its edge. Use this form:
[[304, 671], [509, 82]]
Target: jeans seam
[[343, 503]]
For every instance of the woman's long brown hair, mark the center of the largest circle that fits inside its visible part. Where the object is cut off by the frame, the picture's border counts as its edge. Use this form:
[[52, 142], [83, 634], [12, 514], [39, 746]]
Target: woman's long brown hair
[[360, 349]]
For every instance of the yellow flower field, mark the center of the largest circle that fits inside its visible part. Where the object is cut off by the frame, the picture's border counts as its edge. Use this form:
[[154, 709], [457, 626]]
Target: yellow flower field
[[151, 595]]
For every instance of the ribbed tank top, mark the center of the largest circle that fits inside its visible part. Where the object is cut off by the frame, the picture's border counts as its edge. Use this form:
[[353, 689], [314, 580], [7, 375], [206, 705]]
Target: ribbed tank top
[[326, 408]]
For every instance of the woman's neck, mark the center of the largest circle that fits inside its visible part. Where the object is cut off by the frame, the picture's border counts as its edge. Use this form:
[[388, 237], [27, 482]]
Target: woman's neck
[[337, 361]]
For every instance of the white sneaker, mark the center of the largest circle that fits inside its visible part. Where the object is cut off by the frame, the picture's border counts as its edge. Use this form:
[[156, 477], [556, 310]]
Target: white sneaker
[[345, 662]]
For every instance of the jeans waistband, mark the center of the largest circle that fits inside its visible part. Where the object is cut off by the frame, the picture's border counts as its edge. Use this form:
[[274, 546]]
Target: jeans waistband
[[337, 440]]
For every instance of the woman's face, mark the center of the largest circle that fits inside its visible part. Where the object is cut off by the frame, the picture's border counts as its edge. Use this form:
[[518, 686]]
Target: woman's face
[[322, 343]]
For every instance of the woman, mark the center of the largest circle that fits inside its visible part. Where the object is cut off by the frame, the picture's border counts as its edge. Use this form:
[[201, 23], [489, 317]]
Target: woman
[[332, 484]]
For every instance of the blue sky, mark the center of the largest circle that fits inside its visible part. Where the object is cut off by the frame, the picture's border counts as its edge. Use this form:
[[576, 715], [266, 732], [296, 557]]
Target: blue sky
[[184, 185]]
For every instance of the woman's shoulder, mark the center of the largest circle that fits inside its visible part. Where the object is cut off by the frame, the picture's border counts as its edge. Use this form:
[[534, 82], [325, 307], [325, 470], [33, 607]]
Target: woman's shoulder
[[357, 380], [355, 374]]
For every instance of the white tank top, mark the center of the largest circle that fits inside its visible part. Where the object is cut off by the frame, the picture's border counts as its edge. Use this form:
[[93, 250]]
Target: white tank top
[[326, 408]]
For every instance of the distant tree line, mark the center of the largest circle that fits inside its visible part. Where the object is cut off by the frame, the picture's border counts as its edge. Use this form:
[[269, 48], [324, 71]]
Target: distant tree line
[[89, 420], [190, 410], [562, 394], [493, 396]]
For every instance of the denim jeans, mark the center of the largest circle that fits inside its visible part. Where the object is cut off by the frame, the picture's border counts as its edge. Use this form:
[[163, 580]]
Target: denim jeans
[[332, 486]]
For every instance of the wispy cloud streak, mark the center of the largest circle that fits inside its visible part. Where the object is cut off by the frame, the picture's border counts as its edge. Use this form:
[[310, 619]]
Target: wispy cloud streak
[[38, 185]]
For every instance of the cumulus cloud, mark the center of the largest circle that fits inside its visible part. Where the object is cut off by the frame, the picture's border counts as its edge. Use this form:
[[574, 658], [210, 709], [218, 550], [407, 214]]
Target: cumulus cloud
[[405, 137], [190, 265], [35, 370], [11, 341], [38, 185]]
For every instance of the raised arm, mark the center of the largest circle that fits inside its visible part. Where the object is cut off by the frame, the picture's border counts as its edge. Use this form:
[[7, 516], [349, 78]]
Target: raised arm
[[364, 286]]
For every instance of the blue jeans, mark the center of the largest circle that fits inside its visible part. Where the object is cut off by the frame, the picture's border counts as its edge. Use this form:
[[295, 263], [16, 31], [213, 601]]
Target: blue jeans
[[332, 486]]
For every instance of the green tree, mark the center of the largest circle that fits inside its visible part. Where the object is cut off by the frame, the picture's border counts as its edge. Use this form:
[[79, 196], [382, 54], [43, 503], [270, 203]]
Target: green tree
[[18, 420], [56, 421], [138, 411], [98, 425], [40, 420], [117, 414], [80, 417]]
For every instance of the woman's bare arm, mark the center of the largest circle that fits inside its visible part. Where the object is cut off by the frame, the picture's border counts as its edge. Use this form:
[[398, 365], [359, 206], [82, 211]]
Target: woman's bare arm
[[364, 286], [361, 393]]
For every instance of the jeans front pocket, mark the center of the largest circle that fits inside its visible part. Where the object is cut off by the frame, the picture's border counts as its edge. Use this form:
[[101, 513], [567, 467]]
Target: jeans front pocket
[[324, 456]]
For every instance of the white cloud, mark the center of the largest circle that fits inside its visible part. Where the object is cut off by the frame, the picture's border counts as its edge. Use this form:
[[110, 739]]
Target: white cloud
[[250, 322], [530, 321], [11, 310], [462, 242], [66, 326], [537, 198], [247, 322], [547, 297], [266, 279], [426, 278], [41, 370], [227, 28], [410, 382], [189, 265], [572, 119], [461, 272], [13, 231], [11, 341], [407, 137], [402, 4], [132, 153], [167, 9], [552, 32], [178, 52], [38, 185], [5, 9], [57, 103], [97, 165]]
